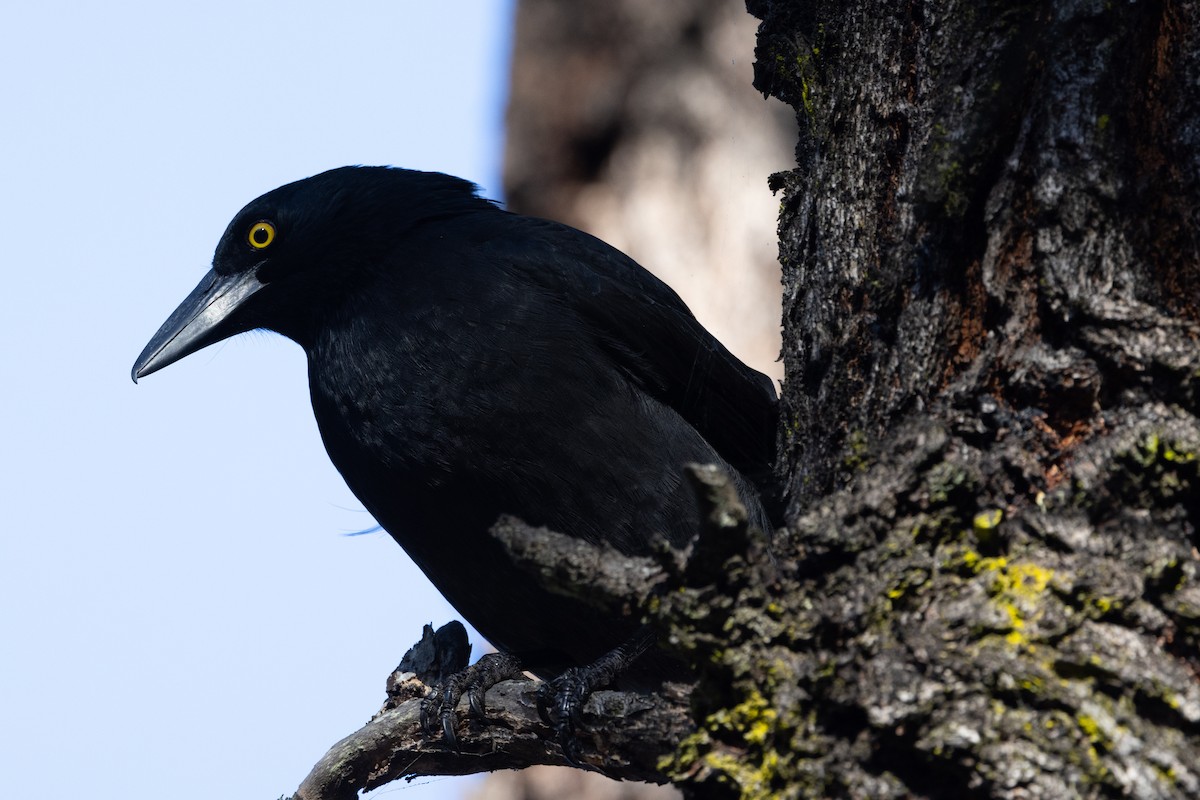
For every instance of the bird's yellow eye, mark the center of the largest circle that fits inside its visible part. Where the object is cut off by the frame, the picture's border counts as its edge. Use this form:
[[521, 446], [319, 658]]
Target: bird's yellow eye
[[262, 233]]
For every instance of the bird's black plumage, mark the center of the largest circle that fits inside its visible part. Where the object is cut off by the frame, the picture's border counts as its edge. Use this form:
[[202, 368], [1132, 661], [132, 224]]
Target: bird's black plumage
[[465, 362]]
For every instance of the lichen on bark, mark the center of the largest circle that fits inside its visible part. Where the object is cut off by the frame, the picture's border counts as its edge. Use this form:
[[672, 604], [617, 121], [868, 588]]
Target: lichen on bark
[[988, 583]]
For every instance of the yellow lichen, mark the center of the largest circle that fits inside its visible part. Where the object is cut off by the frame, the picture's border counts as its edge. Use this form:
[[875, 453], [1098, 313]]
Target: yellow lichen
[[986, 521], [753, 719], [1016, 589], [753, 780], [1089, 726], [1106, 604], [751, 767], [1171, 454]]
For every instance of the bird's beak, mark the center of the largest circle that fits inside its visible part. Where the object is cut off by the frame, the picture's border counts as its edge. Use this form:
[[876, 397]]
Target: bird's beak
[[203, 318]]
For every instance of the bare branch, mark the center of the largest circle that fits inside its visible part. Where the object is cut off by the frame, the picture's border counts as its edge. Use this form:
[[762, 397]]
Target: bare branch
[[624, 736]]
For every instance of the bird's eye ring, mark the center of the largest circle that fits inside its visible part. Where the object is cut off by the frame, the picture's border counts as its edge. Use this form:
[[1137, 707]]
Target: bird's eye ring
[[262, 233]]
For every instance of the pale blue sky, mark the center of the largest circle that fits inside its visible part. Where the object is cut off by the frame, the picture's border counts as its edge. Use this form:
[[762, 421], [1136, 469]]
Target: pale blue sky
[[180, 613]]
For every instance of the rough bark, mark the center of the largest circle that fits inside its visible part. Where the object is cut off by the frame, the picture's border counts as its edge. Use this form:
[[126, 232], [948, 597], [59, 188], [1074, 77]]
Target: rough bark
[[988, 586], [990, 429], [632, 732]]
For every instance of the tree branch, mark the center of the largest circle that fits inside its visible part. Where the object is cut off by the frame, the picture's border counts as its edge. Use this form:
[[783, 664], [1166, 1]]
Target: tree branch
[[624, 735]]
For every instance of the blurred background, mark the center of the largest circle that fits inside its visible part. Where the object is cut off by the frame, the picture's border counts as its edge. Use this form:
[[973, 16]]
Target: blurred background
[[182, 610]]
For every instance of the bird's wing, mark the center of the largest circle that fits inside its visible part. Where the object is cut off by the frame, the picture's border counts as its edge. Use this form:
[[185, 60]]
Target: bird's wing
[[650, 334]]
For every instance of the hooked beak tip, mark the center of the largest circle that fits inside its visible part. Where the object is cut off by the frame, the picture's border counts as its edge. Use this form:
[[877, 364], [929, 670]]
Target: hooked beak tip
[[200, 320]]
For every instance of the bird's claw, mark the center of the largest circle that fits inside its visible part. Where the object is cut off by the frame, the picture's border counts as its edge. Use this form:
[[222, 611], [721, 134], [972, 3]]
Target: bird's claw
[[560, 705], [560, 701], [475, 701], [438, 709]]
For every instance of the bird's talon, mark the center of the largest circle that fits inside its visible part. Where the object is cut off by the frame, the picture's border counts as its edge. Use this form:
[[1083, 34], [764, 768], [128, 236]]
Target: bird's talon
[[427, 714], [571, 749], [448, 729], [475, 698], [543, 697]]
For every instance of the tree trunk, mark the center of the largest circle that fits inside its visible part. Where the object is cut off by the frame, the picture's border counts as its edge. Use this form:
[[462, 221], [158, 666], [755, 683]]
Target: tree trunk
[[991, 296], [988, 586]]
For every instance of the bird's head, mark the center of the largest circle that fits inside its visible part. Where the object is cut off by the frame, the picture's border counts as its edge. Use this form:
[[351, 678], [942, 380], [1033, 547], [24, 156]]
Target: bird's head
[[290, 255]]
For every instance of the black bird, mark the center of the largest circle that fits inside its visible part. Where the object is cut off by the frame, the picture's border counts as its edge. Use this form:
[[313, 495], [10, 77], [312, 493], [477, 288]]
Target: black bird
[[466, 362]]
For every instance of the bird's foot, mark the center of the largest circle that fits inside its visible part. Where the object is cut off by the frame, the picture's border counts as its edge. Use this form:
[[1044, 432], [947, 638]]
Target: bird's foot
[[474, 681], [560, 705], [560, 701]]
